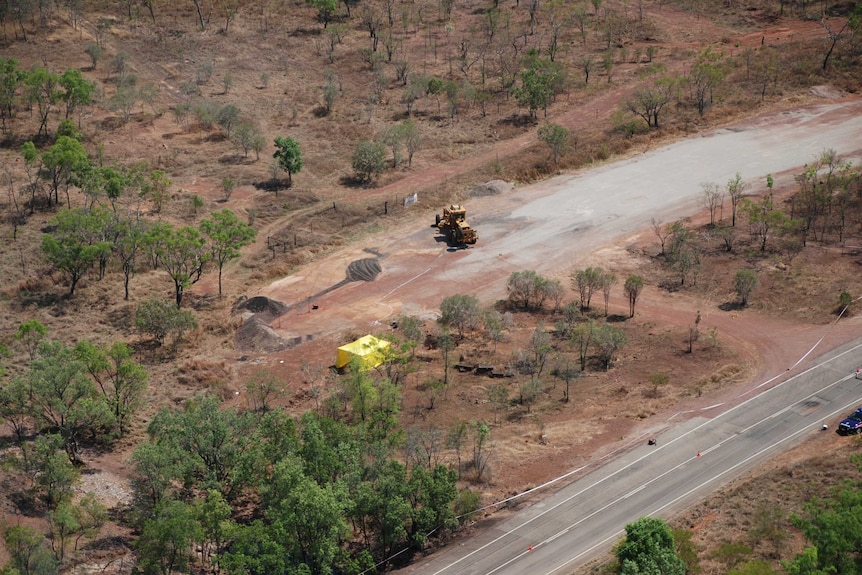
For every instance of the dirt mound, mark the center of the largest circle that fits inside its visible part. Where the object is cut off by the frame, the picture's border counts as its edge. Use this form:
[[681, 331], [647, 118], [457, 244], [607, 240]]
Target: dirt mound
[[263, 307], [256, 335], [364, 270], [492, 188]]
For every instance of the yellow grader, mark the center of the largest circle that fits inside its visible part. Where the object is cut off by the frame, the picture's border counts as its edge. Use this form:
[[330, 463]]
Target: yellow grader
[[453, 223]]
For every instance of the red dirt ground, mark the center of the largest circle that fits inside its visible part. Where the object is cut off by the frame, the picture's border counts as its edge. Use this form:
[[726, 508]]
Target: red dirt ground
[[760, 345]]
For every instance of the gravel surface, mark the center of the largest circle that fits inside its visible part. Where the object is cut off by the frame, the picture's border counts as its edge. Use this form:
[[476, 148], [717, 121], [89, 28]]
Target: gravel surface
[[556, 225]]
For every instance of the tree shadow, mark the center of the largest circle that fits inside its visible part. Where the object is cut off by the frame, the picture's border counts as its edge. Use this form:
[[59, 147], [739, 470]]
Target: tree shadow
[[122, 318], [12, 141], [270, 185], [109, 542], [306, 32], [214, 137], [26, 503], [731, 306], [234, 159], [353, 181], [111, 123], [10, 441], [149, 349], [40, 299], [617, 318], [520, 120], [200, 302], [671, 285]]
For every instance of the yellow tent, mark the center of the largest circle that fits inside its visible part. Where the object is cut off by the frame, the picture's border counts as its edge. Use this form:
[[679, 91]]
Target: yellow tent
[[370, 351]]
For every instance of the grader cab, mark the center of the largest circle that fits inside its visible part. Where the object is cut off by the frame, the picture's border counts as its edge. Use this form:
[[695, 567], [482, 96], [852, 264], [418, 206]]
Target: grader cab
[[453, 223]]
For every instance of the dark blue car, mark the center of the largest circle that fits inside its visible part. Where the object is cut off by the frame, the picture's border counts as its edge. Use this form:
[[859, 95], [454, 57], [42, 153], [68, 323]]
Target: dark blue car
[[853, 423]]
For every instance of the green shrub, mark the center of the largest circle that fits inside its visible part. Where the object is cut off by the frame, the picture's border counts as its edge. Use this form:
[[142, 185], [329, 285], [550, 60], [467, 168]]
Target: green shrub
[[161, 318]]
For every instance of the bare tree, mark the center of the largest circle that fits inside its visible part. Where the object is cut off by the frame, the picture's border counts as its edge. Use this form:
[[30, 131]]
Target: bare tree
[[587, 63], [203, 20], [261, 387], [15, 210], [834, 38], [555, 292], [567, 373], [608, 281], [372, 19], [582, 338], [446, 343], [481, 436], [424, 446], [765, 70], [455, 440], [662, 232], [712, 198], [694, 332], [632, 288], [581, 17], [558, 24], [726, 234], [533, 8], [735, 189]]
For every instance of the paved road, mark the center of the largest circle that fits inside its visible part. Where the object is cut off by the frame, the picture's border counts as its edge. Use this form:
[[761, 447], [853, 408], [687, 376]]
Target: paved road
[[690, 460], [549, 228]]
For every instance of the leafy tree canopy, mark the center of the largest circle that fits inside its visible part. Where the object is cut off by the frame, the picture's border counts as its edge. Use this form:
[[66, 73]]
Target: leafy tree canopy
[[289, 156], [648, 549]]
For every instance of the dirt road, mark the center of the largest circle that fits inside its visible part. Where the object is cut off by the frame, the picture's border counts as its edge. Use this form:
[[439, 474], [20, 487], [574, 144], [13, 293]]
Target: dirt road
[[556, 225]]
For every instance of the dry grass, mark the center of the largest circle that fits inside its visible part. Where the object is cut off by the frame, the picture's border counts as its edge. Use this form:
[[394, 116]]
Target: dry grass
[[284, 46], [785, 486], [725, 376]]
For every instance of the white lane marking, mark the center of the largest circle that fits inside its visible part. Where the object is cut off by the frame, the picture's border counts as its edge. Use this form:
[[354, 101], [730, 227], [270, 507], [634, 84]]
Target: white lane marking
[[663, 446], [804, 429], [555, 536], [630, 493]]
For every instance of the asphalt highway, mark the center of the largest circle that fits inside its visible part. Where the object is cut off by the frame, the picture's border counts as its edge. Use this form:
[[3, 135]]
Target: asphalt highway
[[689, 461], [551, 227]]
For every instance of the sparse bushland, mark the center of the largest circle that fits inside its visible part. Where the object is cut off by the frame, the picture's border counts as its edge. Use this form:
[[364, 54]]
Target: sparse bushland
[[66, 144]]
